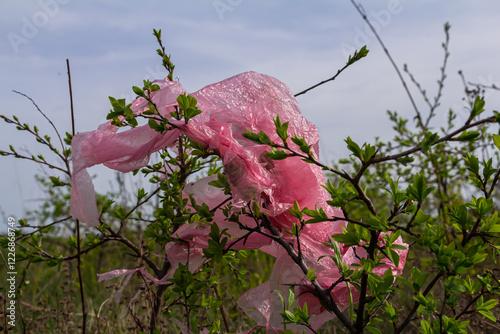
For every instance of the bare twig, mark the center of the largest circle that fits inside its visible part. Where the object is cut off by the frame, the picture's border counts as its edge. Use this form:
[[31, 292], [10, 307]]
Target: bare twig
[[403, 82], [78, 241], [71, 99], [324, 81], [41, 227], [41, 112]]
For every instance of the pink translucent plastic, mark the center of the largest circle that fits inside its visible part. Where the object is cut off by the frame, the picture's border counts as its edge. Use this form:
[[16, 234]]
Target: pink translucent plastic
[[248, 101], [263, 304], [122, 151]]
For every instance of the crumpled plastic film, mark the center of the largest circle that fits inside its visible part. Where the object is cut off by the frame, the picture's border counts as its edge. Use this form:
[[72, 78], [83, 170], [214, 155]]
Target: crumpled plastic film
[[230, 107], [248, 101]]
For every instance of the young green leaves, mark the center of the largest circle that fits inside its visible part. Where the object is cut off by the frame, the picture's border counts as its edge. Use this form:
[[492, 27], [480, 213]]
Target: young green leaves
[[120, 108], [187, 105], [363, 52], [364, 153], [166, 62]]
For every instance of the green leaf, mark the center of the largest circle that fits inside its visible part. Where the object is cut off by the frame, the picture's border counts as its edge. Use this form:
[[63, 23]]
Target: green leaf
[[497, 116], [318, 215], [55, 181], [71, 241], [369, 151], [418, 278], [419, 190], [281, 129], [429, 140], [376, 223], [310, 274], [68, 138], [496, 140], [421, 218], [138, 91], [353, 147], [107, 205], [420, 299], [276, 154], [288, 316], [389, 310], [291, 296], [426, 327], [363, 52], [153, 124], [468, 135], [472, 163], [348, 238], [488, 315], [478, 107], [490, 304], [494, 229], [259, 138], [373, 330], [405, 160], [281, 297], [221, 181], [302, 144]]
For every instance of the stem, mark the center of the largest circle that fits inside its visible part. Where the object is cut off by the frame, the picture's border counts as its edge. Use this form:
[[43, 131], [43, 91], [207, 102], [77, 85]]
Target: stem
[[363, 15], [324, 81], [137, 251], [363, 300], [80, 280], [45, 116], [78, 241], [440, 140], [469, 304], [159, 297], [71, 99]]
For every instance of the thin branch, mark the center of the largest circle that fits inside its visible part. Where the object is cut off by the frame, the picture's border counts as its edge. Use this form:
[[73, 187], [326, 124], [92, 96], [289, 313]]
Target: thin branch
[[41, 112], [435, 104], [468, 92], [324, 81], [71, 99], [78, 241], [363, 15], [443, 139], [469, 304], [443, 75], [39, 161], [137, 251], [492, 86], [138, 205], [66, 258], [39, 228]]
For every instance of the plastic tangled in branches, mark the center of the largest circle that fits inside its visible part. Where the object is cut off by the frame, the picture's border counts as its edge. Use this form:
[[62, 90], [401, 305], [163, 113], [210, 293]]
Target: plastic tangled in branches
[[248, 101]]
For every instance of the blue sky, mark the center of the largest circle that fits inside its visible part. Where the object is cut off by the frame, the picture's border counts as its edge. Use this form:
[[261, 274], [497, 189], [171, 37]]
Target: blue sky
[[111, 48]]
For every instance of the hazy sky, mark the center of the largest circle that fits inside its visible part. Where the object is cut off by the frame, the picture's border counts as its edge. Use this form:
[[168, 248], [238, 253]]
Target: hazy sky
[[111, 48]]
